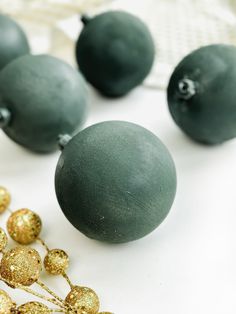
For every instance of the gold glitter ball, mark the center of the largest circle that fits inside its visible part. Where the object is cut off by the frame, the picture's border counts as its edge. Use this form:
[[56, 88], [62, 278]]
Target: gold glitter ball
[[24, 226], [5, 199], [21, 265], [56, 262], [6, 304], [83, 299], [33, 308], [3, 240]]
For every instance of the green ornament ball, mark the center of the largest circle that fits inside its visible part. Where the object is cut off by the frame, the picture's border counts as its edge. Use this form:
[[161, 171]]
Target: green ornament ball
[[115, 181], [13, 41], [115, 52], [202, 93], [42, 97]]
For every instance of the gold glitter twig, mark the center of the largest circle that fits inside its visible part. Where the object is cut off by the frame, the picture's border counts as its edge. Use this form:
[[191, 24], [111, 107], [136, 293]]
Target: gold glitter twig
[[68, 280], [41, 296], [64, 275], [30, 291], [48, 290], [41, 241], [10, 210], [25, 264]]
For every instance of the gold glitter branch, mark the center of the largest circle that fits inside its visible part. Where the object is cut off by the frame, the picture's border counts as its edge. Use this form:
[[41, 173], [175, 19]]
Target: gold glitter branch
[[30, 291], [21, 267]]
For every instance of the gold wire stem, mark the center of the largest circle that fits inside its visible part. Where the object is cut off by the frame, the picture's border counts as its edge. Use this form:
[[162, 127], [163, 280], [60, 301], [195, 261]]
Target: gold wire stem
[[9, 210], [48, 290], [30, 291], [41, 241], [43, 297], [65, 305], [68, 280]]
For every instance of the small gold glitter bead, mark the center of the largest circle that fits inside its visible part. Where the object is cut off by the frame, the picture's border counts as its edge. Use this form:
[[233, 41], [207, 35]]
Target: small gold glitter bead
[[33, 308], [21, 265], [5, 199], [24, 226], [83, 299], [6, 304], [3, 240], [56, 262]]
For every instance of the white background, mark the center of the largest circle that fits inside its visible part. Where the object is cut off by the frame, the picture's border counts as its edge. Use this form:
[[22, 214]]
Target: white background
[[187, 265]]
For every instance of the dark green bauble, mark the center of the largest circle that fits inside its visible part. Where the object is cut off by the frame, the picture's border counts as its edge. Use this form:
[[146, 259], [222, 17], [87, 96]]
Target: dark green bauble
[[115, 52], [45, 98], [202, 94], [115, 181], [13, 41]]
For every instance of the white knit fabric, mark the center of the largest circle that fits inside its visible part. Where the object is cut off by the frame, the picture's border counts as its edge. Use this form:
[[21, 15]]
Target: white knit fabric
[[178, 26]]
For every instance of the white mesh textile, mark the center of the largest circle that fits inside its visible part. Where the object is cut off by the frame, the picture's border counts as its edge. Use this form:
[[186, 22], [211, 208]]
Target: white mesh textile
[[178, 26]]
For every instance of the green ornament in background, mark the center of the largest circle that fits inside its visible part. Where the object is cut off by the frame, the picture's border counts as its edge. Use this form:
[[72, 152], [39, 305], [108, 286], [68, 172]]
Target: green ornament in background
[[115, 52], [13, 41], [115, 181], [42, 97], [202, 93]]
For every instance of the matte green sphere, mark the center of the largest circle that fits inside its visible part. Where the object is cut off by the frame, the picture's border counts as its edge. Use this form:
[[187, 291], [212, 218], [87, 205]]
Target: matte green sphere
[[45, 97], [202, 93], [115, 181], [13, 41], [115, 52]]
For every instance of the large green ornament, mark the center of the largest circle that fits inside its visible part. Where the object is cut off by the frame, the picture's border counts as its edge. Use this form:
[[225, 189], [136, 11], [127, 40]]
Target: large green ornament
[[202, 93], [41, 97], [13, 41], [115, 52], [115, 181]]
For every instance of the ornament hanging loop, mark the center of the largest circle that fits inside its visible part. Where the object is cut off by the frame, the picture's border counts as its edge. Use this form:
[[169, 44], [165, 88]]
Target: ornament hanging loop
[[85, 19], [5, 117], [186, 88]]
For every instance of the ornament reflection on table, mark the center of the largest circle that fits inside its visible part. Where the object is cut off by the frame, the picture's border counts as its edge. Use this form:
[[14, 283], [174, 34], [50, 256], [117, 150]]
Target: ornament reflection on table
[[20, 267]]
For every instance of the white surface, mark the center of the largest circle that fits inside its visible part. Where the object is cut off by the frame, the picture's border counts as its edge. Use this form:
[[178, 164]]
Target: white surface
[[187, 265]]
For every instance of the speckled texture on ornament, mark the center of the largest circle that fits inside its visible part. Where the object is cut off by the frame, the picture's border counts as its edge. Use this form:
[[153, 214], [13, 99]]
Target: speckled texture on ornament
[[56, 262], [21, 265], [83, 299], [24, 226]]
